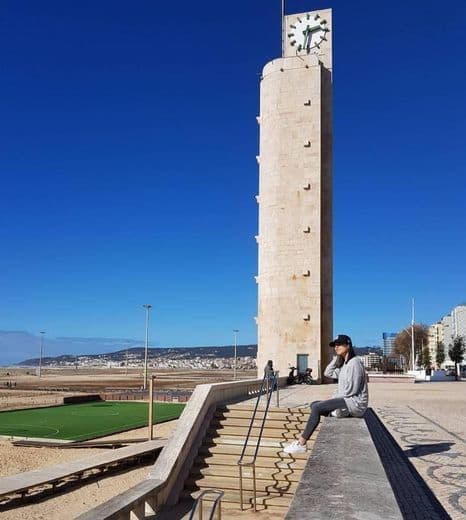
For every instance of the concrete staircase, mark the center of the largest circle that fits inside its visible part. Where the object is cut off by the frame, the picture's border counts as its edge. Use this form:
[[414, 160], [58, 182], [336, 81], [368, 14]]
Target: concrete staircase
[[277, 474]]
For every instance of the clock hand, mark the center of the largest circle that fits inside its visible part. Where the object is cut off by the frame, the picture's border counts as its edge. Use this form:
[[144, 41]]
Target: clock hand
[[308, 32], [311, 30], [306, 37]]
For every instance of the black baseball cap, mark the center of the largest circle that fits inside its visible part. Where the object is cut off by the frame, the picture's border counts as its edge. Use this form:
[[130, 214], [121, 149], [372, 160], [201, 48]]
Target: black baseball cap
[[341, 339]]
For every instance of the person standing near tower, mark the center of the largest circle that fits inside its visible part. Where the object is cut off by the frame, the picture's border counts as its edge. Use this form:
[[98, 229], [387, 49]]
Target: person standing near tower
[[351, 397]]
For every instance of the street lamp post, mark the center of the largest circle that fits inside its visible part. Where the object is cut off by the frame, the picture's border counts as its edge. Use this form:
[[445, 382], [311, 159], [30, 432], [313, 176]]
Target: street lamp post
[[235, 332], [42, 332], [412, 336], [148, 307]]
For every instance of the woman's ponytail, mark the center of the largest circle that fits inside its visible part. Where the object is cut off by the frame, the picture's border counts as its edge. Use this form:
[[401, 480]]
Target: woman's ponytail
[[351, 353]]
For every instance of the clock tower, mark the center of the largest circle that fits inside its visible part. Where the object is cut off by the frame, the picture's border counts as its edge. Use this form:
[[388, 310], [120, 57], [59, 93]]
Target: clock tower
[[295, 295]]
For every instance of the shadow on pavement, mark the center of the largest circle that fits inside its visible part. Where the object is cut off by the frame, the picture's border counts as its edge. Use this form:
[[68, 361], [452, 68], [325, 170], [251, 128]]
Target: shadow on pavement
[[420, 450], [414, 497]]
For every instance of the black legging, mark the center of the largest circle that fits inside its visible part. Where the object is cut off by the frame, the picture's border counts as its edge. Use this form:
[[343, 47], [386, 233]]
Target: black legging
[[319, 408]]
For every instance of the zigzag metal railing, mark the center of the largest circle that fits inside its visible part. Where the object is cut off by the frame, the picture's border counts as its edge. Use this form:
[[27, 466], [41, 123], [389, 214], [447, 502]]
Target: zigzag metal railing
[[217, 503], [270, 381]]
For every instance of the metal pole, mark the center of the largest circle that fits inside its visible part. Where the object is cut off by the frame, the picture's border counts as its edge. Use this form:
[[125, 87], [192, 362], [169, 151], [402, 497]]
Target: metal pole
[[236, 345], [254, 484], [241, 486], [283, 28], [151, 408], [148, 307], [42, 332], [412, 336]]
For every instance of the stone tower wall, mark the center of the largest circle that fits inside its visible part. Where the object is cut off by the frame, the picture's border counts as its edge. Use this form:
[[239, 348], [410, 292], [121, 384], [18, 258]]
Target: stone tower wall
[[295, 312]]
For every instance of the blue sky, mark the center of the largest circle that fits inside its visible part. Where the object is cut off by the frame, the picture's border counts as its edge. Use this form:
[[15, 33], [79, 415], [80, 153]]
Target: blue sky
[[127, 160]]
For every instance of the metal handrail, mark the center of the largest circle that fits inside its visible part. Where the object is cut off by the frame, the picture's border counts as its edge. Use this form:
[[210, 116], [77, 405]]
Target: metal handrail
[[270, 380], [217, 502]]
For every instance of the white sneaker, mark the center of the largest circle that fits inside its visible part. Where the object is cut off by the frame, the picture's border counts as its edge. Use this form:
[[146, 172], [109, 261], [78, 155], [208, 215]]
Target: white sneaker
[[294, 447]]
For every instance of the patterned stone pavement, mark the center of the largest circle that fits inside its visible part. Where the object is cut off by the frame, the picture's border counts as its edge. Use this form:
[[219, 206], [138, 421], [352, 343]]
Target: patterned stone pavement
[[438, 454]]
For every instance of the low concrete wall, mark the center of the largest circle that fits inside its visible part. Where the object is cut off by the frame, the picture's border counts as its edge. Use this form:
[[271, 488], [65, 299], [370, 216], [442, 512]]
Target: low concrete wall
[[82, 398], [169, 471], [375, 377]]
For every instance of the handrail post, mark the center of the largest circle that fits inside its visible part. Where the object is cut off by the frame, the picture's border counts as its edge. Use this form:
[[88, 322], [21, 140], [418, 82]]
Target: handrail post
[[241, 486], [201, 507], [254, 485], [278, 388], [151, 408]]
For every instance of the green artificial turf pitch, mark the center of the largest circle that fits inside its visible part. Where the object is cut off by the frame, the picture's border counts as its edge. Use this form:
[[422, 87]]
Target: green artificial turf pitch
[[79, 422]]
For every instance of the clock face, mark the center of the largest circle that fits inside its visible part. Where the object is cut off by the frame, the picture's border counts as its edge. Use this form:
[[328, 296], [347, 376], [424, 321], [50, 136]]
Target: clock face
[[308, 32]]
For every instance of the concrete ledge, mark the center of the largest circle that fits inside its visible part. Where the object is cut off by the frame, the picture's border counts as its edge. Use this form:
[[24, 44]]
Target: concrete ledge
[[15, 484], [344, 477]]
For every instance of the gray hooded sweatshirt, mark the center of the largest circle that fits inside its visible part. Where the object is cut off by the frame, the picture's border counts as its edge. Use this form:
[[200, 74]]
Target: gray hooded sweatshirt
[[352, 384]]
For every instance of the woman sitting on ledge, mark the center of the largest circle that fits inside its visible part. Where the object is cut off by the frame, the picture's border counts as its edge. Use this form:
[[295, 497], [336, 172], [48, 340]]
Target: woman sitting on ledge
[[351, 397]]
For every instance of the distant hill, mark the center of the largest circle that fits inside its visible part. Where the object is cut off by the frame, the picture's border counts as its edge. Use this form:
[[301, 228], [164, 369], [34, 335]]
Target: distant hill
[[362, 351], [138, 353], [167, 353], [18, 345]]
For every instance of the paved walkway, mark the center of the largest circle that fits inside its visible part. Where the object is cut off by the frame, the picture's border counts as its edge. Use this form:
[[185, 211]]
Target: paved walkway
[[428, 423]]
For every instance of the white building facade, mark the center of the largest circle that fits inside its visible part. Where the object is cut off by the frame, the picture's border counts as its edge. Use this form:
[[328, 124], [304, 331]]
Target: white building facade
[[446, 330]]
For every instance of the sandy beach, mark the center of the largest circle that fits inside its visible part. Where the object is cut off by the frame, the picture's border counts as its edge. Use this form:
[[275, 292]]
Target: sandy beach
[[77, 500]]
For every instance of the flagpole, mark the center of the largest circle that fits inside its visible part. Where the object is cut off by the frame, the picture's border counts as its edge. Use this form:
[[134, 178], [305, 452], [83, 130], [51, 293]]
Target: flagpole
[[283, 28]]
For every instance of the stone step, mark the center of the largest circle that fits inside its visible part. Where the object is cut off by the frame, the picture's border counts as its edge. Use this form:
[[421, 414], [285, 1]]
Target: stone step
[[283, 462], [238, 440], [213, 448], [273, 409], [267, 433], [232, 483], [229, 511], [277, 475], [271, 416], [271, 424], [231, 499]]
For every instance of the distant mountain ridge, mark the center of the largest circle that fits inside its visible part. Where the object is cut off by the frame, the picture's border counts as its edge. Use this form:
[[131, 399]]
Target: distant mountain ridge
[[173, 353], [162, 352], [16, 345]]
